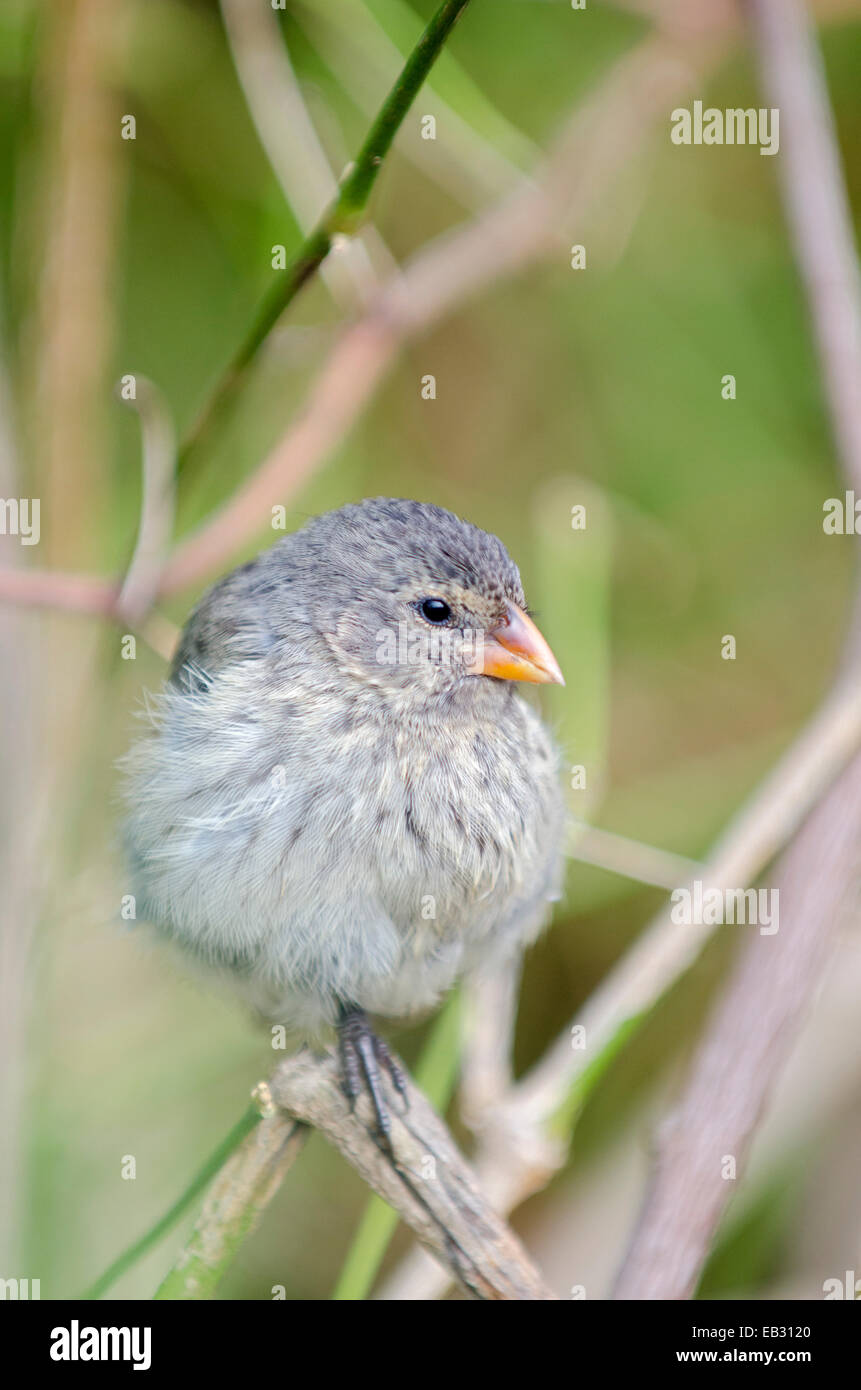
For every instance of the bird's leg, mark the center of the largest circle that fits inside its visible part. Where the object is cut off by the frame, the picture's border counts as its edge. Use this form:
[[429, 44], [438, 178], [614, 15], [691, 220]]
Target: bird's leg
[[362, 1054]]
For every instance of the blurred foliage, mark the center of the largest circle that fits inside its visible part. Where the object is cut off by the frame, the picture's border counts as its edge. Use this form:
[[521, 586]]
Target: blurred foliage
[[557, 388]]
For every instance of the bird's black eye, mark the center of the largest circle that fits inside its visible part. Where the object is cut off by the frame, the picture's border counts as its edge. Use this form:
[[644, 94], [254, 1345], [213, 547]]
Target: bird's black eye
[[436, 610]]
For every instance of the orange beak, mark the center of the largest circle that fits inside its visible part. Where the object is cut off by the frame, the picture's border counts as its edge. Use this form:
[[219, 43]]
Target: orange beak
[[515, 651]]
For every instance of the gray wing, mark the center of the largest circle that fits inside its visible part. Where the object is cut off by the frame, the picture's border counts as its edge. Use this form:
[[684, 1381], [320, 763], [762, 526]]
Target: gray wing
[[231, 623]]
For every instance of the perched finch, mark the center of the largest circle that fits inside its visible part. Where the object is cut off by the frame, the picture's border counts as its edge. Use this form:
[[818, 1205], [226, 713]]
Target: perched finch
[[343, 802]]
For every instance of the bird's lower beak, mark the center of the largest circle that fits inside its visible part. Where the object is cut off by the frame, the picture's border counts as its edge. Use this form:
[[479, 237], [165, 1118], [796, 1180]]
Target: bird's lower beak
[[516, 651]]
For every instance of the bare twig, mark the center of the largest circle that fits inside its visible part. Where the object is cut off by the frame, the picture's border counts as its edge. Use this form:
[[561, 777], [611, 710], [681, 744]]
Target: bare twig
[[633, 859], [83, 182], [427, 1181], [68, 593], [131, 602], [158, 458], [422, 1176], [705, 1142], [82, 593], [817, 209], [820, 221], [490, 1015]]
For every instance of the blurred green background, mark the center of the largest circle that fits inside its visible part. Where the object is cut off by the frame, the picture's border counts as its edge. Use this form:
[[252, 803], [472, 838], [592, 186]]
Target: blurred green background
[[555, 388]]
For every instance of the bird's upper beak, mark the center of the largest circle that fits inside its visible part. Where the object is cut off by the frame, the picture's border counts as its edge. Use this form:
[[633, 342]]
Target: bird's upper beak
[[514, 650]]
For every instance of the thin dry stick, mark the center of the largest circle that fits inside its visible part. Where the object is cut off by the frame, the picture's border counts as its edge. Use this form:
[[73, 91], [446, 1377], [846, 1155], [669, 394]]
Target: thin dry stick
[[817, 209], [68, 593], [428, 1182], [619, 854], [158, 458], [489, 1017], [423, 1178], [820, 222], [729, 1084], [747, 1045], [129, 603], [81, 176]]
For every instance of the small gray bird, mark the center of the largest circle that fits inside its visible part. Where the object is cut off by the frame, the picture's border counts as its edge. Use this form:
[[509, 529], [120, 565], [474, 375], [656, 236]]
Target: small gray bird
[[342, 802]]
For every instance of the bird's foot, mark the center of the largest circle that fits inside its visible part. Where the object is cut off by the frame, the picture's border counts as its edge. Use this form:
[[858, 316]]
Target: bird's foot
[[362, 1055]]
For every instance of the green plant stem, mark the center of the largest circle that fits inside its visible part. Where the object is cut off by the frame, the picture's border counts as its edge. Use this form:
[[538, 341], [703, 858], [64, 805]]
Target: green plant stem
[[341, 218], [233, 1206], [435, 1074], [198, 1183]]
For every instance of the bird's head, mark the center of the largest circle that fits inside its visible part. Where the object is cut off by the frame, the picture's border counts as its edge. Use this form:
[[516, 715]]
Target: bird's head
[[411, 597]]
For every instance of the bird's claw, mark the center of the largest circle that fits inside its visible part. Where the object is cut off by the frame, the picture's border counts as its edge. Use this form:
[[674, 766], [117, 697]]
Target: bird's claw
[[362, 1056]]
